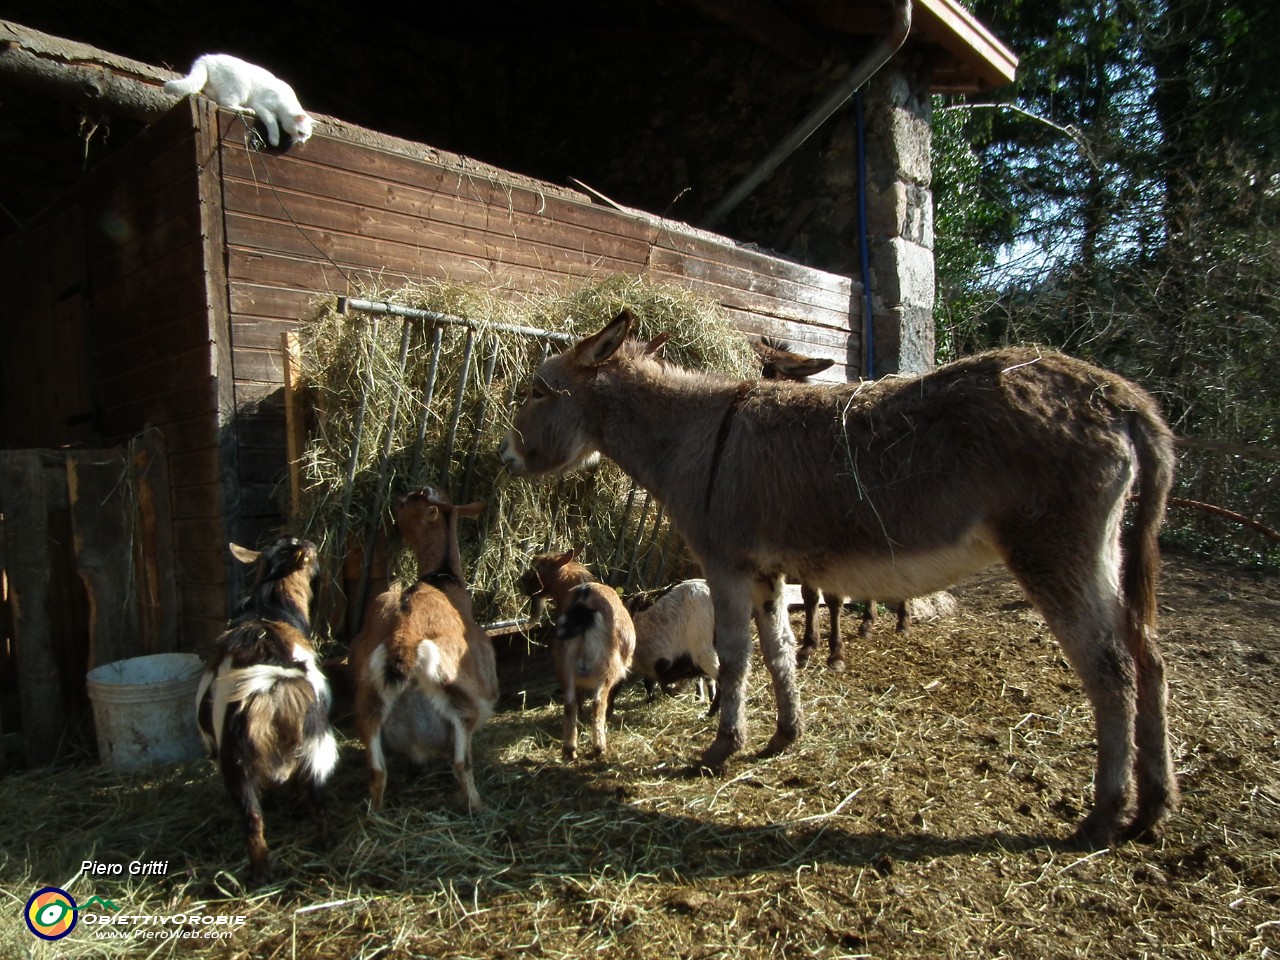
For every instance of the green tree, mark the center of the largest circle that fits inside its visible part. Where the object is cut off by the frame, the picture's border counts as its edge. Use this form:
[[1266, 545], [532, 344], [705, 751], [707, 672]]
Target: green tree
[[1129, 182]]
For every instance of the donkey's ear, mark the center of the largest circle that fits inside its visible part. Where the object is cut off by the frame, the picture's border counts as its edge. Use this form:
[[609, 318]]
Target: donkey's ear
[[599, 347], [657, 343], [799, 368]]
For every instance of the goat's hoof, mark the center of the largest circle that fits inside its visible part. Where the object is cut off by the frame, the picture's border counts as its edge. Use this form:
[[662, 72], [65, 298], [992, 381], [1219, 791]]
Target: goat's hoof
[[836, 665], [804, 652]]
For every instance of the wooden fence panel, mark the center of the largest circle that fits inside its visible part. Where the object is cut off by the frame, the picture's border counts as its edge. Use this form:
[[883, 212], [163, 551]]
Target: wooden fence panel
[[88, 560]]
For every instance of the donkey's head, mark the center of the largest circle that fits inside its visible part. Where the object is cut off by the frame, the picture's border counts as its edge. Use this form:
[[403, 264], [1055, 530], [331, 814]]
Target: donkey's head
[[551, 432], [779, 362]]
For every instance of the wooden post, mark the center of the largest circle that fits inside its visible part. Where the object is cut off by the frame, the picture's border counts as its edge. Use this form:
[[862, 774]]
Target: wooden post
[[153, 549], [295, 419], [101, 520]]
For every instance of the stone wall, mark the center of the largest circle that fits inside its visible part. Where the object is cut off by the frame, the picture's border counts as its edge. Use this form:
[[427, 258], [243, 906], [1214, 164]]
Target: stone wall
[[900, 220]]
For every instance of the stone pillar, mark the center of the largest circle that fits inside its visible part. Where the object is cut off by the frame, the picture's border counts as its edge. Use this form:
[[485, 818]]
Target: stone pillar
[[897, 111]]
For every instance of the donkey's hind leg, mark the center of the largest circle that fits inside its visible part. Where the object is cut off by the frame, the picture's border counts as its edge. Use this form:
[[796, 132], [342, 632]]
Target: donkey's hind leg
[[1156, 780], [1077, 590], [809, 597]]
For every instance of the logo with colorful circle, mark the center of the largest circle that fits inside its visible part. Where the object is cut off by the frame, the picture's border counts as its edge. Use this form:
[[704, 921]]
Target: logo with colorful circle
[[52, 912]]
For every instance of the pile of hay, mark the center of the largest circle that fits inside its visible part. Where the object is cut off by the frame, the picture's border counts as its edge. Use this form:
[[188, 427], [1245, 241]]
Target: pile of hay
[[916, 818], [400, 404]]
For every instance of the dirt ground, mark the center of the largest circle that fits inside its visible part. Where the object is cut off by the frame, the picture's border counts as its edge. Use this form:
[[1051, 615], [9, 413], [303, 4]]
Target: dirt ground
[[918, 817]]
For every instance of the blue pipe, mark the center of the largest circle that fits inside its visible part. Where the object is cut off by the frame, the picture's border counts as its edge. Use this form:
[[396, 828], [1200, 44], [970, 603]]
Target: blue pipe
[[864, 257]]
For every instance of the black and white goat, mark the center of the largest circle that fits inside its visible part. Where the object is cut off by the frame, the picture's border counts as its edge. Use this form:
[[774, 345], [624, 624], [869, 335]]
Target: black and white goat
[[675, 637], [262, 703]]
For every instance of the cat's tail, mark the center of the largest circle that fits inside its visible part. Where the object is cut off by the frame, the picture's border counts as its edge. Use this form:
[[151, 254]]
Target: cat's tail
[[193, 82]]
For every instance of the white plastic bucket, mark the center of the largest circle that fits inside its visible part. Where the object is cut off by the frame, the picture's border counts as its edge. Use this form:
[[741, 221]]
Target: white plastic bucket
[[144, 710]]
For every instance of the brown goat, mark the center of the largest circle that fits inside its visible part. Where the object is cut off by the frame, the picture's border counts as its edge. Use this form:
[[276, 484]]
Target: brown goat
[[779, 362], [425, 672], [594, 641], [897, 488], [262, 705]]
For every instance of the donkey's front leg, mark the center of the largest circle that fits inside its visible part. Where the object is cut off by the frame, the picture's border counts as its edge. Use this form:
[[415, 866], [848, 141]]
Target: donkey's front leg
[[731, 599], [778, 644]]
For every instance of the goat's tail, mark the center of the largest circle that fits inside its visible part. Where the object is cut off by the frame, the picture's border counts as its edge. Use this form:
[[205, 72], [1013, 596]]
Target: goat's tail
[[285, 720], [1153, 442], [192, 83], [582, 621]]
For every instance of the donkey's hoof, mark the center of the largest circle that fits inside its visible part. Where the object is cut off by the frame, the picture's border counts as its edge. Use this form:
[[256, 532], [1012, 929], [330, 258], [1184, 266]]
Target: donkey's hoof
[[722, 748], [1094, 833], [779, 742]]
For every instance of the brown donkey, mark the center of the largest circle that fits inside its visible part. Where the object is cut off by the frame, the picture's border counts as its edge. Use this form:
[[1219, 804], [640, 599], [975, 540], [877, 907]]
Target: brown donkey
[[895, 489]]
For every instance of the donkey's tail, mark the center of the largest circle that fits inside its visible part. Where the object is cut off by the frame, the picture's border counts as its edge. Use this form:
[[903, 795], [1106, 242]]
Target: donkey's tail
[[1153, 442]]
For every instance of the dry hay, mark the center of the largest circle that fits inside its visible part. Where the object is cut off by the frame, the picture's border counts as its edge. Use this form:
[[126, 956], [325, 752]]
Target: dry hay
[[367, 399], [914, 819]]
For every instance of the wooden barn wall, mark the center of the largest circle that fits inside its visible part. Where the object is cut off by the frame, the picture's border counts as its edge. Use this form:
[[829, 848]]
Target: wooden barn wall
[[157, 291], [323, 216], [111, 339]]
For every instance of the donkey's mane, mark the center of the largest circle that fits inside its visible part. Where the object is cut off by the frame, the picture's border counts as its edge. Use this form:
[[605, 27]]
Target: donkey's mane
[[635, 353]]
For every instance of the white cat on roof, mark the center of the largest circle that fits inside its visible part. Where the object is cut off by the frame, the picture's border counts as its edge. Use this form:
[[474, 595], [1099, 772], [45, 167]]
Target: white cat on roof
[[248, 89]]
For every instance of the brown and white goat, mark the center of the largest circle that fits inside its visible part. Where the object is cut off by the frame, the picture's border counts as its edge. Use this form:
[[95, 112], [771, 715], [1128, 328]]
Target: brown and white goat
[[676, 638], [897, 488], [779, 362], [425, 672], [262, 704], [594, 640]]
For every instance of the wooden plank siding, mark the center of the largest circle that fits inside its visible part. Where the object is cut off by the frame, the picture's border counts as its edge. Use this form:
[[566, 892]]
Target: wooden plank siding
[[154, 298], [117, 342], [155, 349], [345, 210]]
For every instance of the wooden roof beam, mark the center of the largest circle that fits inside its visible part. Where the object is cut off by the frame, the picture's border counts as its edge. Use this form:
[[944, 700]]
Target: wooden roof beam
[[85, 75]]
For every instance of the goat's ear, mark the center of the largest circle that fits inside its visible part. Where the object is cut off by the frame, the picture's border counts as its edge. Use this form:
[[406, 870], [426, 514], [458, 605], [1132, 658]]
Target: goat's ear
[[599, 347], [800, 368], [471, 509], [244, 554], [565, 557], [657, 343]]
